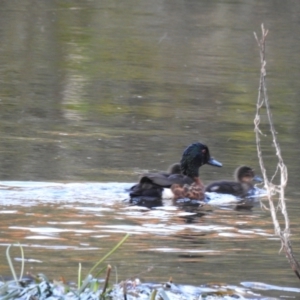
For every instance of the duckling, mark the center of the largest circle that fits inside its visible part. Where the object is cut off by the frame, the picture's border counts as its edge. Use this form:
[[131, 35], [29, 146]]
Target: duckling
[[151, 185], [174, 169], [244, 182]]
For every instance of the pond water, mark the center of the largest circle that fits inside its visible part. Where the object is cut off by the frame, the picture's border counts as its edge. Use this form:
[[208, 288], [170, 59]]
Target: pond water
[[93, 93]]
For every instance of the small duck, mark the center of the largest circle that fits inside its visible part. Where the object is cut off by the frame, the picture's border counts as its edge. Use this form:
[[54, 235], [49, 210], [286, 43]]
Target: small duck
[[151, 185], [242, 186]]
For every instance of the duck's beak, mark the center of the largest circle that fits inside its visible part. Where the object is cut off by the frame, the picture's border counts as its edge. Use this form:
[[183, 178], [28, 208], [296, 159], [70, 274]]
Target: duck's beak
[[214, 162], [257, 179]]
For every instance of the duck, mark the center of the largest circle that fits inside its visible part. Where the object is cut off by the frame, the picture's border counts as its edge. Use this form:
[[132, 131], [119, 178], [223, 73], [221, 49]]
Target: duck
[[148, 192], [183, 176], [242, 186]]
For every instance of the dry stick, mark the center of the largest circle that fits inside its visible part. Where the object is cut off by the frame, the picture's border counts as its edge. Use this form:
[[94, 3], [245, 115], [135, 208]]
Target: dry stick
[[106, 279], [125, 290], [262, 100]]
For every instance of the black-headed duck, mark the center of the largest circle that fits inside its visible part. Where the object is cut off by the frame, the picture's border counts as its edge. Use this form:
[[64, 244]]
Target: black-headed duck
[[244, 182], [151, 185]]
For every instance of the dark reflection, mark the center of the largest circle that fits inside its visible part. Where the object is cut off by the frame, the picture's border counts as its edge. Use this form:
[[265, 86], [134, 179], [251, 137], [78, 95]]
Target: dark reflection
[[193, 238], [194, 218], [148, 202], [191, 256]]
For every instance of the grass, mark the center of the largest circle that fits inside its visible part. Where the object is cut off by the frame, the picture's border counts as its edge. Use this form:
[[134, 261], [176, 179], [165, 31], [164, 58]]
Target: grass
[[40, 287]]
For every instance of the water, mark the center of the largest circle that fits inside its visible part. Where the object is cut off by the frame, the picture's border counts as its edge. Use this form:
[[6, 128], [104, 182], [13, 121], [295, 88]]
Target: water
[[95, 93]]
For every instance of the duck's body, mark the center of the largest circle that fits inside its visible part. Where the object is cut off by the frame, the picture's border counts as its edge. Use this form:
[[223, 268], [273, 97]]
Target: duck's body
[[151, 185], [193, 191], [166, 179], [241, 187]]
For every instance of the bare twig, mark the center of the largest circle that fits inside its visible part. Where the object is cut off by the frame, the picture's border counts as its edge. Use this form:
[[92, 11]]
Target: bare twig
[[125, 290], [106, 279], [263, 102]]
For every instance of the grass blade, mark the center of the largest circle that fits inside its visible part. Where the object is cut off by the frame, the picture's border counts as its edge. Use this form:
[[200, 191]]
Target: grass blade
[[85, 283], [23, 262], [109, 253], [79, 276], [11, 265]]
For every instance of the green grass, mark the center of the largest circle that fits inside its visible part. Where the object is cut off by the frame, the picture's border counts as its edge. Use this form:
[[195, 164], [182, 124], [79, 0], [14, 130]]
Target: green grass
[[40, 287]]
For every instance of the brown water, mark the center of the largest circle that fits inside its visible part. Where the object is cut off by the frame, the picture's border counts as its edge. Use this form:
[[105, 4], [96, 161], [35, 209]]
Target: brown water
[[100, 91]]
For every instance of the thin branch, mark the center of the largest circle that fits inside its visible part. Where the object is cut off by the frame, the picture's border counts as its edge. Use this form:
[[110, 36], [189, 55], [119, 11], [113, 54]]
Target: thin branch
[[263, 103]]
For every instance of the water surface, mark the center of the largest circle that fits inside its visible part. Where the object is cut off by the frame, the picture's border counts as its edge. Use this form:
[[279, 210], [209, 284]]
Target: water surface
[[96, 92]]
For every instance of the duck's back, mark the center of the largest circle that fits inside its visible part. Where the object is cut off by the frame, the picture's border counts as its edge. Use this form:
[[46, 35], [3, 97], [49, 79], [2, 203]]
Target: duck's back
[[228, 187], [165, 180], [150, 187]]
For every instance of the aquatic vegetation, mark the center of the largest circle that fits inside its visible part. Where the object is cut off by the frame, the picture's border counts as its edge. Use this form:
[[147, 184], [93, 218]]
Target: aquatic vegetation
[[40, 287]]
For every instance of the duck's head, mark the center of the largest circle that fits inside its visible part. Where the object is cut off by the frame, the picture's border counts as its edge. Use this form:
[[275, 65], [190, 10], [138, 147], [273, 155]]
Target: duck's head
[[195, 156], [246, 174], [174, 168]]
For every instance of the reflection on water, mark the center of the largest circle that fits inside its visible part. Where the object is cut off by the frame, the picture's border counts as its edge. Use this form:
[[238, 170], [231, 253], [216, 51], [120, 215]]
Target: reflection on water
[[101, 91], [31, 193], [195, 247]]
